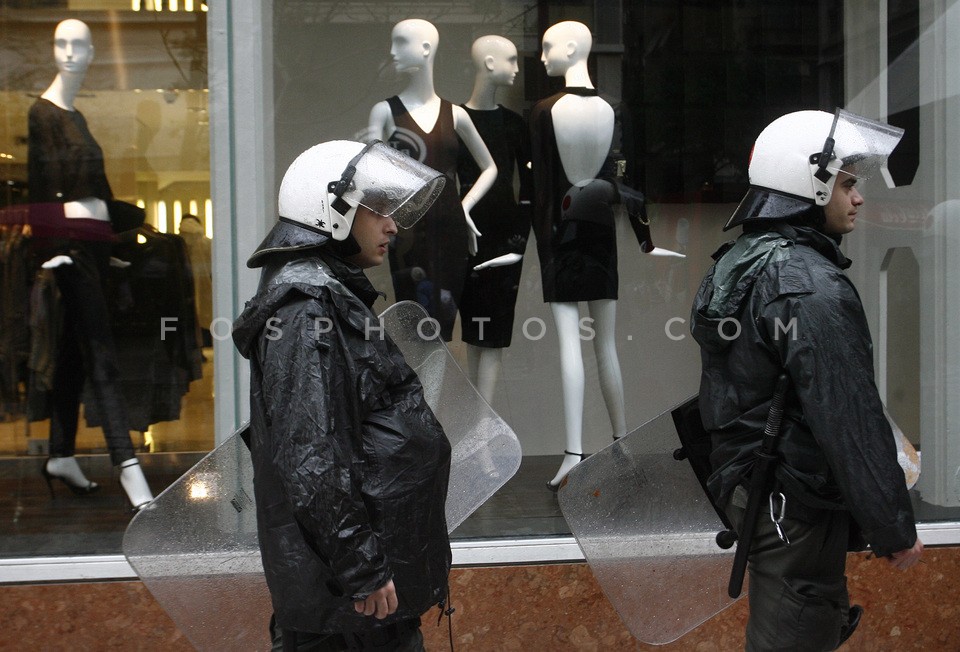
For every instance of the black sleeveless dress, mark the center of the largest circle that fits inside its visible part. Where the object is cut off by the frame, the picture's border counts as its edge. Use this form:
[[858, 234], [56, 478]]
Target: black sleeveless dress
[[428, 262], [574, 227], [489, 300]]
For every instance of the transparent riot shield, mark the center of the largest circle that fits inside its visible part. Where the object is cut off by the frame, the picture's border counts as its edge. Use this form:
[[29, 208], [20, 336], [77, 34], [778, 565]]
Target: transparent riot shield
[[486, 452], [195, 547], [648, 532]]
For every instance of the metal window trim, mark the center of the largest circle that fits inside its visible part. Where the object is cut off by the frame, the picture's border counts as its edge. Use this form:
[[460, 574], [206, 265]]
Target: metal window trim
[[466, 553]]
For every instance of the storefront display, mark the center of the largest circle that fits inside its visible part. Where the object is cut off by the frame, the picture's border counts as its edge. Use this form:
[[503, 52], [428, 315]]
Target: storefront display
[[197, 114]]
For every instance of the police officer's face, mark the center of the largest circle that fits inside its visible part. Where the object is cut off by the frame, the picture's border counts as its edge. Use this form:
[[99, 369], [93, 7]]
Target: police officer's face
[[841, 210], [372, 232]]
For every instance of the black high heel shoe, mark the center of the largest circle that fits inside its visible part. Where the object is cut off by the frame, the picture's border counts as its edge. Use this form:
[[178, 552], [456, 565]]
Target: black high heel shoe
[[556, 487], [79, 490]]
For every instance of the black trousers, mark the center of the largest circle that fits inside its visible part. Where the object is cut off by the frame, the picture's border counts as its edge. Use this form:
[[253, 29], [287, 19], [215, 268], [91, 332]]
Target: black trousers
[[403, 636], [86, 350], [798, 593]]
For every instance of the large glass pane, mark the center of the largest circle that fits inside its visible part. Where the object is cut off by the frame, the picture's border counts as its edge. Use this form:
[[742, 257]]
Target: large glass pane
[[103, 109], [694, 84], [690, 83]]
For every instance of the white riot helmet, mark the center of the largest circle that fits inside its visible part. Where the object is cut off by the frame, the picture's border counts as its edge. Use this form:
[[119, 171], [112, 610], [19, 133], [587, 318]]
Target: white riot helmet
[[323, 187], [796, 158]]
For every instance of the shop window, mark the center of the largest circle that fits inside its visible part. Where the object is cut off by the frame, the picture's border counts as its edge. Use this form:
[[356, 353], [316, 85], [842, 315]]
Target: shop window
[[691, 84], [83, 133]]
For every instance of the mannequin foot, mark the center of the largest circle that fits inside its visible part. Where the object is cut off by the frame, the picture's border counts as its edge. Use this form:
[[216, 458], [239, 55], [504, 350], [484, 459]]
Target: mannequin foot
[[134, 484], [67, 471], [570, 460]]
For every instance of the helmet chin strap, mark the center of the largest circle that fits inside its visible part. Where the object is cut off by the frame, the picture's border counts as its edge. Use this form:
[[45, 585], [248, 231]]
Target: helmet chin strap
[[822, 176], [342, 241], [339, 210], [823, 188], [341, 215]]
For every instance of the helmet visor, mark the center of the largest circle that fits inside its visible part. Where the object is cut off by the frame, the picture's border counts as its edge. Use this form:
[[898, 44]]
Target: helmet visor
[[390, 183], [863, 144]]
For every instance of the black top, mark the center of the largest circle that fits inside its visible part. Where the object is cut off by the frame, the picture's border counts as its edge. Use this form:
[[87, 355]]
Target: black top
[[429, 260], [504, 226], [64, 161], [576, 263]]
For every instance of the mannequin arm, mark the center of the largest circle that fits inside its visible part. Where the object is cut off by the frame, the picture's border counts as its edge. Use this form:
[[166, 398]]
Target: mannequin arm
[[500, 261], [380, 124], [488, 169], [57, 261], [89, 207]]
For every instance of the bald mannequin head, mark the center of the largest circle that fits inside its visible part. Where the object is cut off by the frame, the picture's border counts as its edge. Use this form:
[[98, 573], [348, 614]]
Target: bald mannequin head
[[497, 57], [413, 44], [565, 44], [72, 46]]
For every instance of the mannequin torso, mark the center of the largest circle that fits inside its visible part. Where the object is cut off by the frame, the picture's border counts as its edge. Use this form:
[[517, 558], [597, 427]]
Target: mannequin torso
[[427, 263], [583, 127], [73, 52]]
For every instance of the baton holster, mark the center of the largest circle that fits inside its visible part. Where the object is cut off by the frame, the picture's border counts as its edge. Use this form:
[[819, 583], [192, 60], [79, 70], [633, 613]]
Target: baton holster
[[696, 446]]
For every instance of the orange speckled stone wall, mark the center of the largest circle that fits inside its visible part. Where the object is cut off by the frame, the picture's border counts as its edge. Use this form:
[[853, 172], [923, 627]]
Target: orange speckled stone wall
[[531, 608]]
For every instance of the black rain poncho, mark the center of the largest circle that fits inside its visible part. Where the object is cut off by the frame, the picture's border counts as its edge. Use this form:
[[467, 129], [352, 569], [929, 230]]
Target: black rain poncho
[[783, 287], [350, 464]]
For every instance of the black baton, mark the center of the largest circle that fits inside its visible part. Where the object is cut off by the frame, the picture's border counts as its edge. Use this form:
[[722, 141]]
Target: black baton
[[760, 479]]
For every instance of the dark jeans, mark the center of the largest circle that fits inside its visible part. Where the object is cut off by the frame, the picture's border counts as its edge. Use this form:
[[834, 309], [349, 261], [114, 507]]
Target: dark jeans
[[403, 636], [86, 351], [798, 593]]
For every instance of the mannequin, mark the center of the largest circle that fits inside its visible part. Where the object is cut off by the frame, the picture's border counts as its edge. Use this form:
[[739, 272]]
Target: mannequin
[[198, 251], [571, 137], [490, 289], [66, 167], [428, 262]]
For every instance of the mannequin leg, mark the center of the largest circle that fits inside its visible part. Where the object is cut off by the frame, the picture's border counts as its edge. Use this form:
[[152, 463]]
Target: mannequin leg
[[566, 316], [485, 366], [134, 484], [68, 379], [473, 364], [604, 314], [83, 296]]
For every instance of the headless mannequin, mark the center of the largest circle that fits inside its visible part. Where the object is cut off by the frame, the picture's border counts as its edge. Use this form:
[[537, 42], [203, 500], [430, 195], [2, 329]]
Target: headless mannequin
[[413, 50], [495, 60], [73, 51], [583, 127]]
